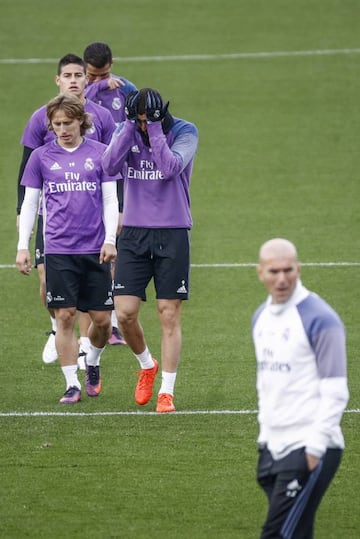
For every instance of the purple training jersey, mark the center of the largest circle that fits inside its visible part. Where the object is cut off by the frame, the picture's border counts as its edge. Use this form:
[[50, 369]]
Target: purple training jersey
[[156, 178], [71, 186], [113, 100], [36, 132]]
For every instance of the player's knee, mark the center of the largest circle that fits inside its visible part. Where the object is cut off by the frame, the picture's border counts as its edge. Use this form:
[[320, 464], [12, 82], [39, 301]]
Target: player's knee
[[66, 317], [169, 313]]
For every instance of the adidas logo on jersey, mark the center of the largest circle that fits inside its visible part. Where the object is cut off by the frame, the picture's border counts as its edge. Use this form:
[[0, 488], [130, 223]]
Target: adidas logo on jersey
[[55, 166], [135, 149]]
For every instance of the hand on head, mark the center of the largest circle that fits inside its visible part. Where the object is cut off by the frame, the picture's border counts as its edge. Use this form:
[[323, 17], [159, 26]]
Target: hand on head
[[145, 101]]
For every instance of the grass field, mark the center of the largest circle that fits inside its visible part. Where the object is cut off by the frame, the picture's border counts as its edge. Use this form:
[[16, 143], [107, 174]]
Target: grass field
[[273, 87]]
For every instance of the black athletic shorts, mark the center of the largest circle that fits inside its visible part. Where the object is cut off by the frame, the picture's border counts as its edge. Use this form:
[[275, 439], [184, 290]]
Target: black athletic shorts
[[159, 253], [78, 281], [39, 242]]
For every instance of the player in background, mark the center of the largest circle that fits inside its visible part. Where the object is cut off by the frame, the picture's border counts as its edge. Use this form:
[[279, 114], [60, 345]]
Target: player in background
[[80, 210], [70, 78], [155, 152], [302, 392], [109, 91], [105, 88]]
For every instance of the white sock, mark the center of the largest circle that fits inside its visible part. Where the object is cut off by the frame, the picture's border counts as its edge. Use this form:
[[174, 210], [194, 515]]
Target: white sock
[[114, 320], [70, 373], [145, 359], [93, 355], [53, 323], [85, 344], [167, 382]]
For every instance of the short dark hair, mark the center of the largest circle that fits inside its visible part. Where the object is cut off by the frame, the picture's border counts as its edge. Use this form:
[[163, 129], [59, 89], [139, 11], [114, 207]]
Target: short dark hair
[[70, 59], [98, 54]]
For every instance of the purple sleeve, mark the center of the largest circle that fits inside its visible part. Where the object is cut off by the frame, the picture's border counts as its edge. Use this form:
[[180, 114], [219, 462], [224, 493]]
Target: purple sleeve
[[172, 160], [35, 131], [32, 176], [330, 350], [115, 155], [93, 88], [256, 315], [326, 334]]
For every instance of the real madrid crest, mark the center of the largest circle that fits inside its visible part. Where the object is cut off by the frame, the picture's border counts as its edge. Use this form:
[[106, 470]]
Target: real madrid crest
[[89, 164]]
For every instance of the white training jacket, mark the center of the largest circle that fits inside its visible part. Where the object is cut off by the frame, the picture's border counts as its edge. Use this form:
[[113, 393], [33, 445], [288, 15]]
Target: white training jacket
[[301, 374]]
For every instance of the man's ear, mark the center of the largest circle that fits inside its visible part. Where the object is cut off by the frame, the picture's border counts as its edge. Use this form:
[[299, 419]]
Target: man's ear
[[259, 273]]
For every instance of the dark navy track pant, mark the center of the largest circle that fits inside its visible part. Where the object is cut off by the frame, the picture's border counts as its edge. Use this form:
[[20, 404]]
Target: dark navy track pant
[[294, 493]]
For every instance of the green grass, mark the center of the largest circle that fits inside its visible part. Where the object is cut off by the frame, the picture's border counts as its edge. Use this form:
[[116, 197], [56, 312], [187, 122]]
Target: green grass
[[278, 155]]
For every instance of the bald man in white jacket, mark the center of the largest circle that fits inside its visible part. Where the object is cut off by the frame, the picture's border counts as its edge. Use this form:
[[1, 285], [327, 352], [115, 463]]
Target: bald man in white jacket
[[302, 393]]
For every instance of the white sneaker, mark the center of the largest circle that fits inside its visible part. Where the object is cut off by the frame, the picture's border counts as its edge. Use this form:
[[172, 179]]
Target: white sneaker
[[50, 354]]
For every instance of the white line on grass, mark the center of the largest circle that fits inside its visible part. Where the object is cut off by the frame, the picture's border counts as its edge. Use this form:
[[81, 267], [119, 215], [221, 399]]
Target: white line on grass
[[245, 265], [136, 413], [189, 57], [139, 413]]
